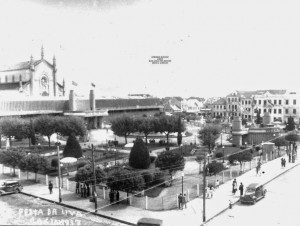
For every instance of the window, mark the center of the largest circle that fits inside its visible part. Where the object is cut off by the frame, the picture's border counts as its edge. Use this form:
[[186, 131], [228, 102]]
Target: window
[[229, 106], [279, 102], [279, 111], [294, 102], [286, 111], [265, 110], [275, 111], [270, 110], [294, 111], [275, 101], [259, 102], [255, 101], [274, 119], [265, 102], [228, 100], [287, 102], [245, 116]]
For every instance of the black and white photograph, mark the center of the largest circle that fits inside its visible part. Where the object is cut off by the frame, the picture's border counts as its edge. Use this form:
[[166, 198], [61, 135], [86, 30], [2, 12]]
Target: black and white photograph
[[149, 112]]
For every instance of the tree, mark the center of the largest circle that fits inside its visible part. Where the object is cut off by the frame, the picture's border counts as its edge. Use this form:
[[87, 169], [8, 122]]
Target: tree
[[214, 167], [66, 125], [35, 163], [139, 157], [166, 124], [85, 174], [171, 161], [45, 125], [259, 119], [125, 180], [72, 148], [290, 126], [292, 138], [179, 135], [54, 162], [209, 134], [241, 157], [12, 158], [145, 125], [13, 126], [280, 142], [123, 126]]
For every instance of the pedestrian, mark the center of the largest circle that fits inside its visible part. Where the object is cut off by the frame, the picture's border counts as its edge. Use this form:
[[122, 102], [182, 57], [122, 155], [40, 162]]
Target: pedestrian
[[217, 184], [290, 157], [211, 191], [77, 187], [281, 162], [284, 162], [241, 188], [180, 201], [111, 196], [184, 201], [84, 191], [234, 186], [88, 190], [81, 190], [50, 186], [117, 197]]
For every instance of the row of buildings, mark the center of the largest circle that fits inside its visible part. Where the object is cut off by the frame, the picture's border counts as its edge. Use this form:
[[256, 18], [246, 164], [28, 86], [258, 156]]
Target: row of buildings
[[39, 90]]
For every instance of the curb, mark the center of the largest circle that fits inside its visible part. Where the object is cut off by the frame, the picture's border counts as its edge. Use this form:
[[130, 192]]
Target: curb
[[222, 211], [79, 209]]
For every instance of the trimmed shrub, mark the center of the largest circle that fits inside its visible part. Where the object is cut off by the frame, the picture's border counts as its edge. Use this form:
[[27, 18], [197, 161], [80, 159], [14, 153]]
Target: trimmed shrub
[[139, 157], [148, 178], [219, 155], [54, 162], [81, 164], [73, 148]]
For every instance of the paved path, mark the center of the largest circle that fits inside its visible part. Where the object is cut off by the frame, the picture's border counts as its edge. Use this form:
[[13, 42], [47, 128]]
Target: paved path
[[193, 212]]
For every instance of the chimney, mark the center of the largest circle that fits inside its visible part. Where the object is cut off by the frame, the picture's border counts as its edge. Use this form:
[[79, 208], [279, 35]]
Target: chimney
[[72, 102], [92, 100]]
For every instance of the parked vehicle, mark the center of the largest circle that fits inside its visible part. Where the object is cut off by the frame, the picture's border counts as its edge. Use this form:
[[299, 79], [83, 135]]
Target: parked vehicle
[[8, 187], [254, 192], [149, 222]]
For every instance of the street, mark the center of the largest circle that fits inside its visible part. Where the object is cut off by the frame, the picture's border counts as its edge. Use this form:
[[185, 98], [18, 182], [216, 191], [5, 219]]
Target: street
[[280, 207], [19, 209]]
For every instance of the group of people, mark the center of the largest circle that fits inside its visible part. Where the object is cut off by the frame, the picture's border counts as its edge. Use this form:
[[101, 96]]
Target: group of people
[[234, 187], [283, 162], [114, 195], [182, 201], [83, 189]]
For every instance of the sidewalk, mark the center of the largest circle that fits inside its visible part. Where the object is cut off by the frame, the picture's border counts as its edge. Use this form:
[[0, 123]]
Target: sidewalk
[[193, 212]]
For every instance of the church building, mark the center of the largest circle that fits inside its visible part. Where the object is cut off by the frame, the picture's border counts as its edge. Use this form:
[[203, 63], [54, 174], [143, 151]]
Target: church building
[[31, 78]]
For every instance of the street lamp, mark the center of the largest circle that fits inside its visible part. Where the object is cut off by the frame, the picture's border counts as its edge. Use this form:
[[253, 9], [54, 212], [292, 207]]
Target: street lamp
[[182, 175], [223, 154], [204, 187], [221, 139], [59, 173]]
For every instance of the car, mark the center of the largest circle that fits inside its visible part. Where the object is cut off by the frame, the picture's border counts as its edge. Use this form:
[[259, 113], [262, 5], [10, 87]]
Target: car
[[254, 192], [149, 222], [8, 187]]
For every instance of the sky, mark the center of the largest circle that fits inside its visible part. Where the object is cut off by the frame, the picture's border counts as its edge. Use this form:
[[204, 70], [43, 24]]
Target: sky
[[215, 46]]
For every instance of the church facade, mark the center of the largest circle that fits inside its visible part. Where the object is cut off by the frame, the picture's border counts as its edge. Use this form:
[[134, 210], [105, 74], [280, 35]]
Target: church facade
[[31, 78]]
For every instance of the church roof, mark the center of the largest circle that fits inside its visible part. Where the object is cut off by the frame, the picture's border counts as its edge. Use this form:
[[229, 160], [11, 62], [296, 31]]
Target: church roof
[[22, 65]]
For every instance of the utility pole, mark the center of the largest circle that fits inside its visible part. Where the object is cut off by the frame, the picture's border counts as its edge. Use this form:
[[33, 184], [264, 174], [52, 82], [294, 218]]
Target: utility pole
[[59, 174], [94, 180], [204, 187]]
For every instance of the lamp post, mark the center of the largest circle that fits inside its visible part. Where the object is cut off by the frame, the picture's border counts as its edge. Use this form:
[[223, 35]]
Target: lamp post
[[182, 175], [59, 174], [221, 139], [204, 187], [223, 154], [94, 179]]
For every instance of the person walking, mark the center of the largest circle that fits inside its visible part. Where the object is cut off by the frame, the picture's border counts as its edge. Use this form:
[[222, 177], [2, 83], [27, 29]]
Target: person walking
[[234, 186], [284, 162], [81, 190], [111, 196], [281, 162], [117, 197], [241, 188], [77, 187], [184, 201], [50, 186], [88, 190], [180, 201], [217, 184], [84, 191]]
